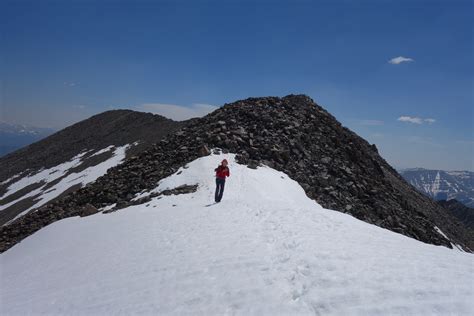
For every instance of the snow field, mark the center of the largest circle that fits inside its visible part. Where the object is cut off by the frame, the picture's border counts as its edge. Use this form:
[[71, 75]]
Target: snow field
[[45, 176], [266, 249]]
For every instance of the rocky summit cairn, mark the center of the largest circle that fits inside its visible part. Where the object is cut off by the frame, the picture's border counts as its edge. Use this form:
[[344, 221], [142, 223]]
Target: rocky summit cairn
[[335, 167]]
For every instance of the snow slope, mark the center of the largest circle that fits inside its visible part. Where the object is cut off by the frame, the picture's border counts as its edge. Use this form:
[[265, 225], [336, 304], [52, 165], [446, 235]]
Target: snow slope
[[266, 249], [58, 179]]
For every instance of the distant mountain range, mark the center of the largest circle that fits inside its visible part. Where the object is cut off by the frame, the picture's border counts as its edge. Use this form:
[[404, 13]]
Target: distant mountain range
[[443, 185], [15, 136]]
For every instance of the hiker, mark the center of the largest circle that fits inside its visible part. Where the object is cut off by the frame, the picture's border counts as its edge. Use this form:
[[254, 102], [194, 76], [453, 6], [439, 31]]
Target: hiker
[[222, 171]]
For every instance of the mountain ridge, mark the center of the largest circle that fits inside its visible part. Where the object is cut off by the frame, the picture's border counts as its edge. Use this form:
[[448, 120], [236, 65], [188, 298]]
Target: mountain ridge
[[92, 133], [293, 134], [74, 156]]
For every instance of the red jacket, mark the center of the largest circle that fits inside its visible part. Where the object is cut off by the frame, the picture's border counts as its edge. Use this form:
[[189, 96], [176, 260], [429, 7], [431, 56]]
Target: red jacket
[[222, 172]]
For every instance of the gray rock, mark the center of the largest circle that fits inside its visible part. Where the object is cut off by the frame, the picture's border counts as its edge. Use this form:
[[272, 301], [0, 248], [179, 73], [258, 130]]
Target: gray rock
[[88, 209]]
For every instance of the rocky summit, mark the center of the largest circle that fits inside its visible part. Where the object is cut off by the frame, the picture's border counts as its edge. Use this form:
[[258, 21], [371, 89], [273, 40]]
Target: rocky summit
[[335, 167]]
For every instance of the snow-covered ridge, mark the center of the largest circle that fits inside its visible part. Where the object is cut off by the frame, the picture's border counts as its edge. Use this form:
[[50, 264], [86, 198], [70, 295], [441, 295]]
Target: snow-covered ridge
[[266, 249], [56, 180]]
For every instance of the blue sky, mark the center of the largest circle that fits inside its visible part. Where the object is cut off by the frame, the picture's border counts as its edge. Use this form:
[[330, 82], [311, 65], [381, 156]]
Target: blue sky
[[64, 61]]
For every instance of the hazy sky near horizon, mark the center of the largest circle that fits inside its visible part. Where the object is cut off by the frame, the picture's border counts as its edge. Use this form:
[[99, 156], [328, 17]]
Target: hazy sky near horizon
[[399, 73]]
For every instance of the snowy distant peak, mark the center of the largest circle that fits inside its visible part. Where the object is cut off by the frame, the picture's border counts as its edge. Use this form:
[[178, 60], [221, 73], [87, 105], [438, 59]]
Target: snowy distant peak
[[411, 169], [14, 136], [419, 169], [23, 129], [443, 185], [467, 175]]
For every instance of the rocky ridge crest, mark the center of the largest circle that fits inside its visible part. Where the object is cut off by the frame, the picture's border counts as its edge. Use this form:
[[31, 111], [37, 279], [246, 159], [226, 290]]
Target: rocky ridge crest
[[335, 167]]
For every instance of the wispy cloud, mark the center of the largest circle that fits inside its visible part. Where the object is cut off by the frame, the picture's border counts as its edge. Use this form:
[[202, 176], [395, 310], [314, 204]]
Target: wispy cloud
[[410, 119], [177, 112], [415, 120], [400, 59], [80, 106], [371, 122], [70, 84]]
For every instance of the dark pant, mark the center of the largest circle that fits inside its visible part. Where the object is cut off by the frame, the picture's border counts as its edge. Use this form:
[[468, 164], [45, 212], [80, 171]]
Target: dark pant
[[219, 189]]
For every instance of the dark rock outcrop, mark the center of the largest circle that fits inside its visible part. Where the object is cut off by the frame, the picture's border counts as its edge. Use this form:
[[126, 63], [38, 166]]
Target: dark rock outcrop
[[463, 213], [335, 167]]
